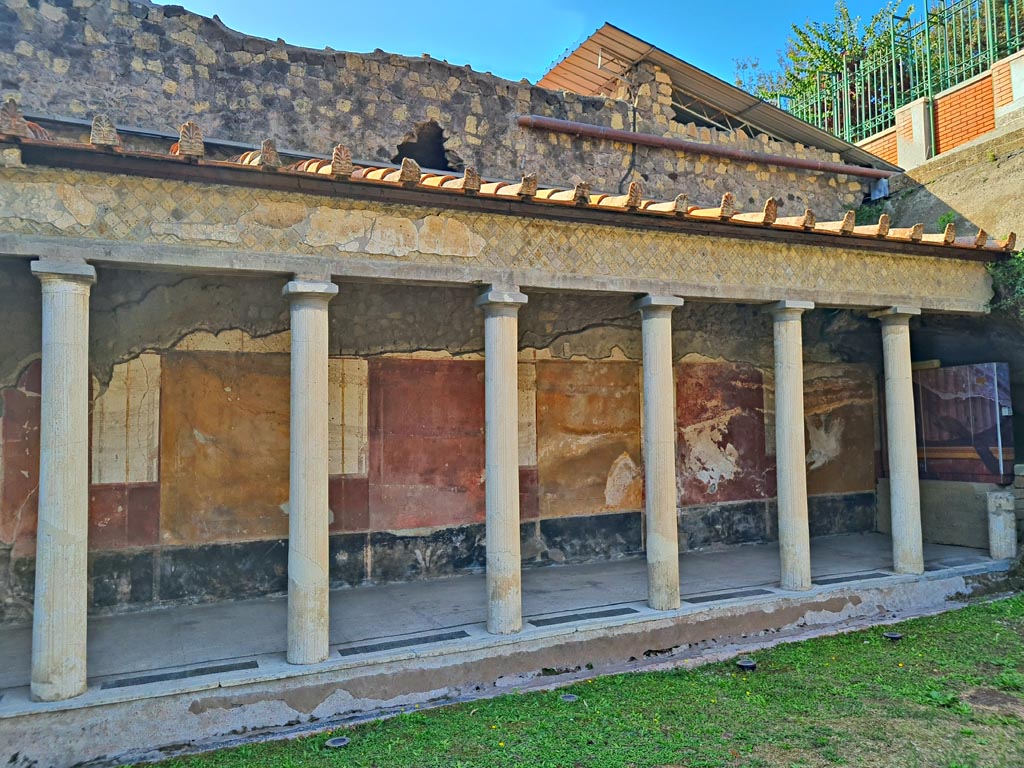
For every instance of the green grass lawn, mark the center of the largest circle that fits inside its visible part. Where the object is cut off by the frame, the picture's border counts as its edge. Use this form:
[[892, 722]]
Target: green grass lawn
[[950, 694]]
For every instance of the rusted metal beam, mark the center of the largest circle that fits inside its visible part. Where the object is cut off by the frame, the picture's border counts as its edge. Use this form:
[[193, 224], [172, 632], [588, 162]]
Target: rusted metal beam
[[574, 128]]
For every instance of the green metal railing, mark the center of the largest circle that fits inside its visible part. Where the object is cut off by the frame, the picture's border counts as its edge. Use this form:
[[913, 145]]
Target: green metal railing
[[956, 40]]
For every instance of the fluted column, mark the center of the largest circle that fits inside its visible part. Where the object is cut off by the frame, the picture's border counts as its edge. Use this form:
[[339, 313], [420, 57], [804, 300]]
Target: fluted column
[[61, 591], [308, 513], [790, 451], [904, 489], [660, 451], [501, 382]]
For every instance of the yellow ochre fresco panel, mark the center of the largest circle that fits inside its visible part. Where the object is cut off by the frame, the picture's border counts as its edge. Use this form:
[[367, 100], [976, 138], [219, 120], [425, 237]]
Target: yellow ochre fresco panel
[[224, 447]]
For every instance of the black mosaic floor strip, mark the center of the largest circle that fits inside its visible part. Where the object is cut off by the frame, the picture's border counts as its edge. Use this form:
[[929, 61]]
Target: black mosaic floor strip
[[405, 642], [582, 616], [935, 566], [726, 595], [854, 577], [181, 674]]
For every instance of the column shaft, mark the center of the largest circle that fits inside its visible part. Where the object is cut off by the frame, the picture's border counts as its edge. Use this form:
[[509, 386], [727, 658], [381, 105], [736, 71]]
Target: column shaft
[[790, 451], [660, 452], [61, 590], [905, 493], [308, 514], [501, 382]]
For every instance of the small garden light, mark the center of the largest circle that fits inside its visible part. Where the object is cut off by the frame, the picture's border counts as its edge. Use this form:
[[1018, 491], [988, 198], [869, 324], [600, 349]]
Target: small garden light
[[893, 636], [570, 697], [337, 742], [747, 664]]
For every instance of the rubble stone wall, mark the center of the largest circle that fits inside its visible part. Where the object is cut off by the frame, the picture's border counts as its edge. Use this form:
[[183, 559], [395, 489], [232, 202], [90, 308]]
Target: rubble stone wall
[[155, 66]]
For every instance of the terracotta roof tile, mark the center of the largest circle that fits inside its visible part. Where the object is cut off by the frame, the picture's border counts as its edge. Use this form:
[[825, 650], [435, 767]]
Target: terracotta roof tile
[[13, 127]]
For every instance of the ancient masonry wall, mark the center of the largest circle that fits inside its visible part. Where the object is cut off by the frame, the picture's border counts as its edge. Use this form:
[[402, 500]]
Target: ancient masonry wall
[[189, 432], [156, 66]]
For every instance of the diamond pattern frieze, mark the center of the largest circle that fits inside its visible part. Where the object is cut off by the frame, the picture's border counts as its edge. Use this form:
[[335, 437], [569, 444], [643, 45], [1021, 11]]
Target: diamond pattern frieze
[[52, 202]]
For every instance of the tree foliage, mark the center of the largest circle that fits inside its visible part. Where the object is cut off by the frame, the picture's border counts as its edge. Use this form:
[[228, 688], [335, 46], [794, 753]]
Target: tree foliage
[[819, 47]]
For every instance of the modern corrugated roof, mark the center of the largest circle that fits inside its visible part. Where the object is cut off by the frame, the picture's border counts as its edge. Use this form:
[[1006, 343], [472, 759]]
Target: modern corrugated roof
[[618, 51]]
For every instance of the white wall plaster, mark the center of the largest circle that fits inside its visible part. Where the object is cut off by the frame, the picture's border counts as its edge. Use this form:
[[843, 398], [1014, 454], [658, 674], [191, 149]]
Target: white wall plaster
[[126, 424]]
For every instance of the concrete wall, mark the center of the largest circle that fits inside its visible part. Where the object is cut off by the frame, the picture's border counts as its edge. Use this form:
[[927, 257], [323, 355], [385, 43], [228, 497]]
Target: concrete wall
[[189, 432], [156, 66]]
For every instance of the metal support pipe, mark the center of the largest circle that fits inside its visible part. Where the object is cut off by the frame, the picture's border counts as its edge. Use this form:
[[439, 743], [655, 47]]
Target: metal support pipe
[[574, 128]]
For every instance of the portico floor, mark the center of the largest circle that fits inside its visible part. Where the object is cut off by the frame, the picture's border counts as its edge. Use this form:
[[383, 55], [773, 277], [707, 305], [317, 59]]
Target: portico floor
[[164, 639]]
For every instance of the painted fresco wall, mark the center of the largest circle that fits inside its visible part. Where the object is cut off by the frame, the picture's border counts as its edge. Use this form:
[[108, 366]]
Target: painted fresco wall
[[190, 415], [964, 422]]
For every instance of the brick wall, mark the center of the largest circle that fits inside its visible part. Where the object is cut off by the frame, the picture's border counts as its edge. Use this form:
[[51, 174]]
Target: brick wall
[[964, 114], [1002, 84], [884, 146]]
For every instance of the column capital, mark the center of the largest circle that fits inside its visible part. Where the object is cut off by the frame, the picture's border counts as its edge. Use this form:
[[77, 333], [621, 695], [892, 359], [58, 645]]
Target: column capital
[[316, 289], [655, 301], [501, 296], [72, 270], [789, 308], [897, 315]]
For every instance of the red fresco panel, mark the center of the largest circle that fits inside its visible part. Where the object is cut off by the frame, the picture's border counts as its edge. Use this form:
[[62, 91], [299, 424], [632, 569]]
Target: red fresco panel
[[123, 515], [120, 515], [426, 435], [143, 526], [108, 516], [721, 452], [349, 500], [529, 501], [19, 429]]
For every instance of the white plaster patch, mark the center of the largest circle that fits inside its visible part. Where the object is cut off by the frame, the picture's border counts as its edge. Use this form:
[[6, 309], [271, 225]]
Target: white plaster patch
[[391, 236], [449, 237], [527, 415], [824, 439], [619, 486], [707, 458], [347, 440], [346, 230], [77, 205], [126, 424]]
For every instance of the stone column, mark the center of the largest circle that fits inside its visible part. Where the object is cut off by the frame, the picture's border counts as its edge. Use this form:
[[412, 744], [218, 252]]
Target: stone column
[[660, 451], [501, 382], [790, 452], [61, 591], [904, 490], [308, 513]]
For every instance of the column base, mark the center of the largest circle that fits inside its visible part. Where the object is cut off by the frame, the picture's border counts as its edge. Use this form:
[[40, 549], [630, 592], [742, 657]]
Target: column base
[[56, 691], [796, 586]]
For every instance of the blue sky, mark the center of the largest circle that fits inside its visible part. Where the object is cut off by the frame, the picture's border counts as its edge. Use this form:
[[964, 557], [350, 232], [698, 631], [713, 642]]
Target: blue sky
[[521, 38]]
